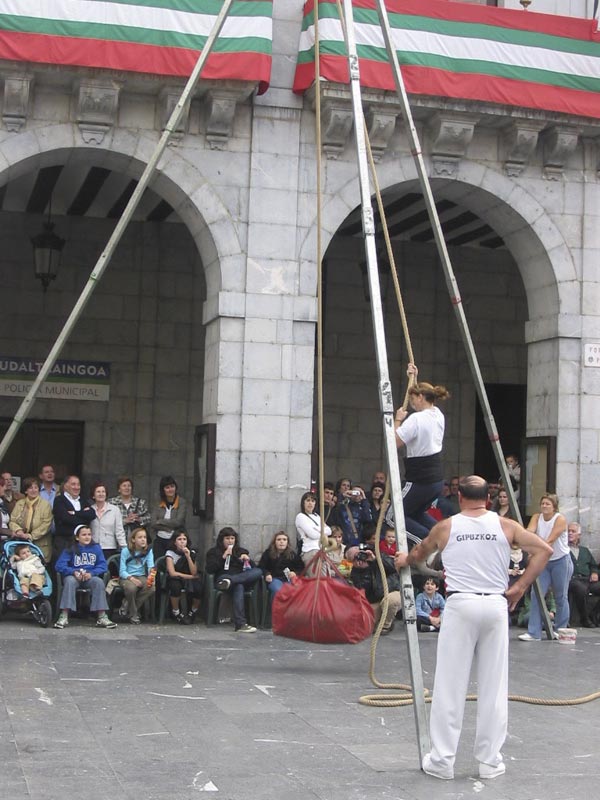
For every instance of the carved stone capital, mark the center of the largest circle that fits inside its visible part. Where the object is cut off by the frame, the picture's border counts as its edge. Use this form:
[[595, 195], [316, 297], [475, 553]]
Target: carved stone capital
[[15, 108], [519, 141], [381, 123], [166, 102], [97, 105], [559, 142], [336, 117], [449, 135], [221, 102]]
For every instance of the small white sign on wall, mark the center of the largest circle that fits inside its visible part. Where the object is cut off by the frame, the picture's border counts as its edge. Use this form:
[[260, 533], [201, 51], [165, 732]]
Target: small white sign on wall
[[591, 354]]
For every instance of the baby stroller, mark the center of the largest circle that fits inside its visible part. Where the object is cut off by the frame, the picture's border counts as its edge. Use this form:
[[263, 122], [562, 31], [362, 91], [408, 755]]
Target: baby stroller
[[11, 597]]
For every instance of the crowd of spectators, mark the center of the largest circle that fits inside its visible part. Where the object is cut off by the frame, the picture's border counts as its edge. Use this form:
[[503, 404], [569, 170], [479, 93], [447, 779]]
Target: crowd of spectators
[[79, 539]]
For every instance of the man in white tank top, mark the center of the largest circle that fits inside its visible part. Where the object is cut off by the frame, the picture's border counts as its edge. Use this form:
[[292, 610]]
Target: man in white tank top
[[476, 552]]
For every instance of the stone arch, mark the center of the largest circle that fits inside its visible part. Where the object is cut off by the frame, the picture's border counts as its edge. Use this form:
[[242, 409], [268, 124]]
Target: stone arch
[[507, 206], [178, 180]]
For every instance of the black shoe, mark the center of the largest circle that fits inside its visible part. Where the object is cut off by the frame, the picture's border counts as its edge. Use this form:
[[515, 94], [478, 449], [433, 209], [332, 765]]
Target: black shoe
[[223, 584], [387, 631]]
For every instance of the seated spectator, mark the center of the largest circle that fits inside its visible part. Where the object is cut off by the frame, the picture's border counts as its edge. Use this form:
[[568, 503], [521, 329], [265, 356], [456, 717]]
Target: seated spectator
[[168, 517], [308, 526], [31, 518], [329, 502], [134, 510], [280, 563], [430, 607], [107, 527], [335, 547], [366, 575], [29, 568], [353, 511], [234, 572], [388, 544], [82, 565], [182, 575], [585, 577], [136, 573], [70, 512]]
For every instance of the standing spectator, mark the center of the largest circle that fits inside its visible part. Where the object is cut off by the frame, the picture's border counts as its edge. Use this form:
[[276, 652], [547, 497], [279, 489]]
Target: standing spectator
[[134, 510], [329, 501], [501, 505], [376, 500], [168, 517], [551, 526], [69, 513], [48, 488], [353, 511], [585, 575], [31, 518], [475, 546], [4, 511], [10, 495], [514, 473], [308, 525], [107, 528], [423, 435]]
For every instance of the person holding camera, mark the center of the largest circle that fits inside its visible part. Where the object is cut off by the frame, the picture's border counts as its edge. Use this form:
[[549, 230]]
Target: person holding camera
[[366, 575], [352, 512]]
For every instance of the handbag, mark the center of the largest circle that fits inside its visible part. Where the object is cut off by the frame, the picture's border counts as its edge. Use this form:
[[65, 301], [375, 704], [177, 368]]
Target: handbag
[[321, 607]]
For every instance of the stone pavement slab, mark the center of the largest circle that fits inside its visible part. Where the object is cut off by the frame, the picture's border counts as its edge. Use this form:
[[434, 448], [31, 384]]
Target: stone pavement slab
[[160, 712]]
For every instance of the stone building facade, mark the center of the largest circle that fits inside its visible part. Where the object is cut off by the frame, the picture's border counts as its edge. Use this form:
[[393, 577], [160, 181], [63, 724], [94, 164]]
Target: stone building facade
[[209, 317]]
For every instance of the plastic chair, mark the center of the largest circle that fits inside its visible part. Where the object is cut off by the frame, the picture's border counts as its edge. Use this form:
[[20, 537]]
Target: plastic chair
[[267, 601], [212, 595]]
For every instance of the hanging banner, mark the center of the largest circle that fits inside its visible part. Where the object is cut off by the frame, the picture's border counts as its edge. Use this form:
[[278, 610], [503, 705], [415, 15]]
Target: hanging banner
[[68, 380], [463, 51], [161, 37]]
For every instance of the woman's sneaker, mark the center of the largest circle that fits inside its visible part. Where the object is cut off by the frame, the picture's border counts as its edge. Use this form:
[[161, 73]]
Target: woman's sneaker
[[246, 629], [62, 621], [135, 620], [104, 621], [180, 618]]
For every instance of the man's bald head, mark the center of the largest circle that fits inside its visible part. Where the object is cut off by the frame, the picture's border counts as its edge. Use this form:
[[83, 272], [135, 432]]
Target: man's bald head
[[473, 487]]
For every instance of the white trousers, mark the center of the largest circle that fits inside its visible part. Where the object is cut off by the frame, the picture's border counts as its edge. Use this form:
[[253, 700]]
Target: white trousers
[[474, 626]]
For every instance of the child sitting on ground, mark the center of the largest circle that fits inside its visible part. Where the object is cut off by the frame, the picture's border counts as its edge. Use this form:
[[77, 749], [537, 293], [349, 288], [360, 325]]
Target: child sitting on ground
[[29, 568], [430, 607], [82, 566]]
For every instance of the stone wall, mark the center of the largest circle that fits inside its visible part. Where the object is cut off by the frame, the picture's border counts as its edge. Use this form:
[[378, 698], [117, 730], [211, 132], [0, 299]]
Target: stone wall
[[143, 318]]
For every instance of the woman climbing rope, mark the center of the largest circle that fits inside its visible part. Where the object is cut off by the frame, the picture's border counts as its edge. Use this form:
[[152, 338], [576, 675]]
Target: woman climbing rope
[[422, 432]]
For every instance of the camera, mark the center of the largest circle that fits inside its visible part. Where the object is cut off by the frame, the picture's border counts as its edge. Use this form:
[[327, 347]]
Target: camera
[[354, 493], [362, 554]]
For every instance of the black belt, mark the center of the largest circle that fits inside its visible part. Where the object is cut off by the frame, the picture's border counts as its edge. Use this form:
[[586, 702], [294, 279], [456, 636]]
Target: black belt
[[479, 594]]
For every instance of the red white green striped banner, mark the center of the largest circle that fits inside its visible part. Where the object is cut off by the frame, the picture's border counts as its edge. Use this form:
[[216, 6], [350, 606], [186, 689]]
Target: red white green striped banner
[[466, 51], [161, 37]]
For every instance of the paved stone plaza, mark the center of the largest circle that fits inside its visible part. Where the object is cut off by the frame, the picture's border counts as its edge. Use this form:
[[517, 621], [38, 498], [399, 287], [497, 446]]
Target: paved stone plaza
[[168, 712]]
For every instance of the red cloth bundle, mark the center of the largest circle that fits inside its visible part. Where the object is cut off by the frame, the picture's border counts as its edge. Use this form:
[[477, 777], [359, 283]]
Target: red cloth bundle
[[322, 608]]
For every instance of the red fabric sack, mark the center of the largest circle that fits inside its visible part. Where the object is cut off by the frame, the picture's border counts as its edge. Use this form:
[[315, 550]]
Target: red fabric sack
[[322, 608]]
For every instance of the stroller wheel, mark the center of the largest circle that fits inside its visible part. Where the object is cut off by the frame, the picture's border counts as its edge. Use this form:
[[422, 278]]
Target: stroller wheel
[[44, 613]]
